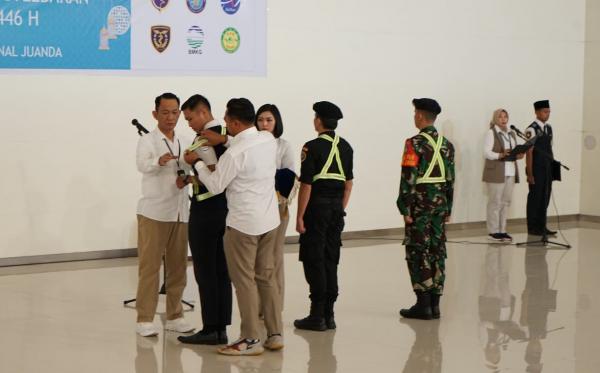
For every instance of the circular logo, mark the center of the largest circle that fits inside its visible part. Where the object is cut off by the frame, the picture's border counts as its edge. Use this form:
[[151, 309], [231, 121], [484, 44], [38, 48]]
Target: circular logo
[[119, 20], [195, 40], [230, 40], [196, 6], [231, 6]]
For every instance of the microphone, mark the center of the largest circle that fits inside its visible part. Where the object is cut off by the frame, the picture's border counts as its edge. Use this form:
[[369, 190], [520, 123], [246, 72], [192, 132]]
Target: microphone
[[139, 126], [512, 128]]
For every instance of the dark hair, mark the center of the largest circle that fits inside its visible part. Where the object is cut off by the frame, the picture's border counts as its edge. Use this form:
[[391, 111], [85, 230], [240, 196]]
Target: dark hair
[[193, 102], [241, 109], [431, 117], [329, 123], [278, 129], [165, 96]]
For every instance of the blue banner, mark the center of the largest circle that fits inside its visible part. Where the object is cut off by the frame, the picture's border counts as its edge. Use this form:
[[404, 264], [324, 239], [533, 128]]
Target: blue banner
[[65, 34]]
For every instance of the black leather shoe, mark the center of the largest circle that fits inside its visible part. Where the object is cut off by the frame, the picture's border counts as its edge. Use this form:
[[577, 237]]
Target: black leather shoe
[[222, 336], [534, 232], [550, 233], [311, 323], [421, 310], [330, 322], [416, 312], [435, 306], [201, 338]]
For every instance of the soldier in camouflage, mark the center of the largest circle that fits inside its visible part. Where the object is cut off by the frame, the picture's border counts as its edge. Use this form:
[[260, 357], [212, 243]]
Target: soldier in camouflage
[[425, 201]]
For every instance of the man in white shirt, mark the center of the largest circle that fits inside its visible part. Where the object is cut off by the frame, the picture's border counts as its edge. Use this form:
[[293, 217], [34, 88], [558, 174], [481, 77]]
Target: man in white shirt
[[247, 172], [162, 215]]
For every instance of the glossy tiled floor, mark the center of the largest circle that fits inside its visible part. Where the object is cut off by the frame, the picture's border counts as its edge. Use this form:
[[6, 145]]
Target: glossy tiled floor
[[506, 308]]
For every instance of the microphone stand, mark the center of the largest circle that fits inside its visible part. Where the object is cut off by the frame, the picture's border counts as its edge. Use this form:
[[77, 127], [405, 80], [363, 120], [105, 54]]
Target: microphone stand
[[544, 241], [163, 290]]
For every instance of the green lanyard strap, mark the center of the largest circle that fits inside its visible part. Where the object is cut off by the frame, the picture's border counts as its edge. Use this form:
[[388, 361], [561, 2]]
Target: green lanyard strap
[[334, 153], [436, 160]]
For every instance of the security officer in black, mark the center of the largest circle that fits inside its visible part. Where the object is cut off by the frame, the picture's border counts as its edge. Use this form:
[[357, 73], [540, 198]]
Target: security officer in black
[[326, 183], [540, 170], [206, 228]]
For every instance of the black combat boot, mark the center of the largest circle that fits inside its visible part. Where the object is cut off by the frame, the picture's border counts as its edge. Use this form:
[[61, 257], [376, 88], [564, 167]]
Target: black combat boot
[[329, 317], [315, 320], [435, 306], [421, 310]]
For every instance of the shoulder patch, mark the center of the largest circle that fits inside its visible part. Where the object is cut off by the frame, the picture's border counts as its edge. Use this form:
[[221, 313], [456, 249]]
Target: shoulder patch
[[528, 134], [303, 154], [410, 157]]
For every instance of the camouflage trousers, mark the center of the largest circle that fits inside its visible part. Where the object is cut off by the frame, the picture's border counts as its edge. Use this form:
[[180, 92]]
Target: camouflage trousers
[[426, 252]]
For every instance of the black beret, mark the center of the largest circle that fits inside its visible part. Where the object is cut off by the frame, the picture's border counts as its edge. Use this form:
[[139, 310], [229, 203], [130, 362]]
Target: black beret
[[327, 110], [543, 104], [427, 104]]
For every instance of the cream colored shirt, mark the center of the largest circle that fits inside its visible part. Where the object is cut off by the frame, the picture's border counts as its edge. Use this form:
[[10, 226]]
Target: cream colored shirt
[[161, 199], [247, 171]]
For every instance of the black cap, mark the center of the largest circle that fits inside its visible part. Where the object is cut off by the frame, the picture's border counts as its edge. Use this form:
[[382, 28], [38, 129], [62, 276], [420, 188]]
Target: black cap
[[327, 110], [543, 104], [427, 104]]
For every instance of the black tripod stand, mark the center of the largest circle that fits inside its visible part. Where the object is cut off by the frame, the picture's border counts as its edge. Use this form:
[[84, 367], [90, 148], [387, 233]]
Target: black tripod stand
[[550, 161], [142, 131], [162, 291]]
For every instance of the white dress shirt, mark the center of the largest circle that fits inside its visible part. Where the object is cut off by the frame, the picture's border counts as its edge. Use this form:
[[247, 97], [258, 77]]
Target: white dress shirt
[[507, 141], [247, 171], [161, 199], [285, 155]]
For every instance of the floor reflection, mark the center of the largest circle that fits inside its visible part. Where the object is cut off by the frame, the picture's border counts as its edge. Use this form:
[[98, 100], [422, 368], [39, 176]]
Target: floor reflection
[[497, 327], [426, 352], [320, 347], [537, 301]]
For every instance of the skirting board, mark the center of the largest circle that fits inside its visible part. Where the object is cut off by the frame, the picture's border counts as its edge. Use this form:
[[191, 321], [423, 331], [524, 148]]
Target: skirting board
[[125, 253]]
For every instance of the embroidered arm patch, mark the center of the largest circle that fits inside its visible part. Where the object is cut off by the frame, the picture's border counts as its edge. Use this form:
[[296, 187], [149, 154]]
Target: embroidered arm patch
[[410, 157]]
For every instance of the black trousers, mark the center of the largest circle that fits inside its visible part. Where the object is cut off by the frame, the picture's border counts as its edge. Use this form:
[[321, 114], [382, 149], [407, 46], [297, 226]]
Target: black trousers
[[320, 248], [538, 200], [206, 229]]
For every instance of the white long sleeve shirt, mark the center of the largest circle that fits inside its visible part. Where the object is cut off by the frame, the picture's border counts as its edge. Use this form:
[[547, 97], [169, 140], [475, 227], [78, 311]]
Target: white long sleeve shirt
[[161, 199], [247, 171], [507, 141], [285, 155]]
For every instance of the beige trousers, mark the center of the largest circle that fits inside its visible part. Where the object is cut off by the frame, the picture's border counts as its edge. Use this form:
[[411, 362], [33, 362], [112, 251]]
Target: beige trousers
[[499, 198], [155, 240], [251, 263], [279, 245]]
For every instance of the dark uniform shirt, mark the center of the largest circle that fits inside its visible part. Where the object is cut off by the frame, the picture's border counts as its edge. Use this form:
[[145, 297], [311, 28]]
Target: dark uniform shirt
[[314, 157]]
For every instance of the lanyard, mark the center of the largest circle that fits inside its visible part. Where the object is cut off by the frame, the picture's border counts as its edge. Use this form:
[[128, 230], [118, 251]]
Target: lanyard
[[506, 137], [171, 151]]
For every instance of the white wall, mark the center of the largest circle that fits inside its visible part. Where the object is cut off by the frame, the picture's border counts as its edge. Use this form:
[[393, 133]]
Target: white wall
[[590, 178], [69, 181]]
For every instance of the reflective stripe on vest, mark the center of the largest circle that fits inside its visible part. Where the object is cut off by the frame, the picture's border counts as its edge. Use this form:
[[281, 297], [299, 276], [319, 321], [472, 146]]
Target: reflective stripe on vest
[[207, 195], [437, 159], [335, 152]]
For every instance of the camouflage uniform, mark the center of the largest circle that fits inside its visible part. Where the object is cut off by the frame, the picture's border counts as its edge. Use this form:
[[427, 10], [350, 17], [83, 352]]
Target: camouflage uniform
[[428, 204]]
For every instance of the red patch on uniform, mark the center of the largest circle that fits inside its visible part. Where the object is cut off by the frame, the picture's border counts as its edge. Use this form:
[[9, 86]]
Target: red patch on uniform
[[410, 157]]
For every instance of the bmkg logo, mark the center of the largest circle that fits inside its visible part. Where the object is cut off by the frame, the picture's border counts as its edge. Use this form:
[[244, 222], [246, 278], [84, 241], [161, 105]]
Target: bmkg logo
[[196, 6], [230, 40], [160, 4], [161, 37], [195, 40], [231, 6]]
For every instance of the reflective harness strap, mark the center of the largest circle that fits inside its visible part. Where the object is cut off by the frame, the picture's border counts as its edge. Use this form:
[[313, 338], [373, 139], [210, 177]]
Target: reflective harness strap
[[196, 187], [437, 159], [335, 152]]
